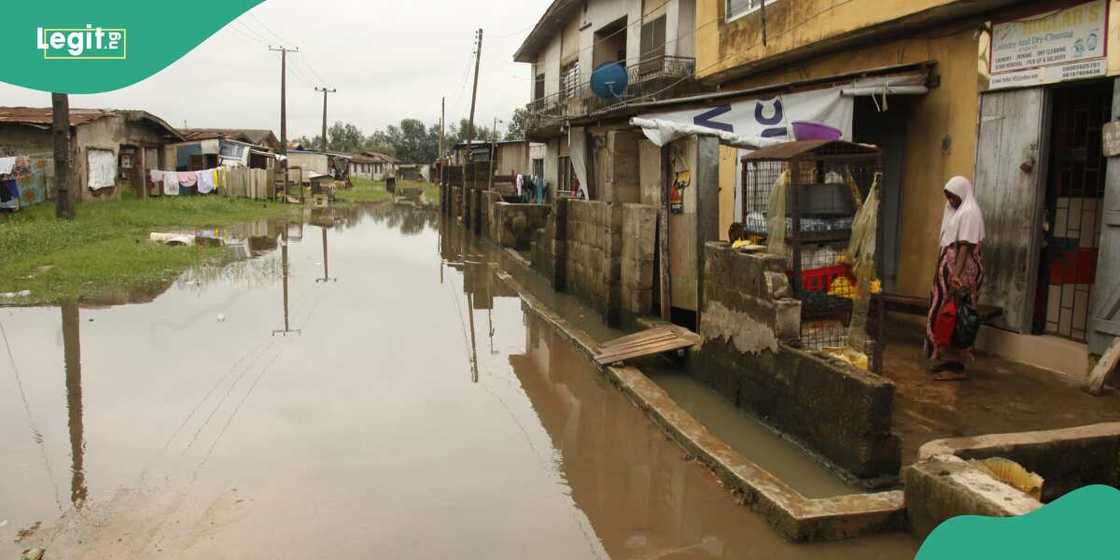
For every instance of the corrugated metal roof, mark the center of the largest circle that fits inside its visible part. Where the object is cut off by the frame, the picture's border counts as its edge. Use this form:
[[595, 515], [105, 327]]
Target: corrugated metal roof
[[42, 117], [790, 150]]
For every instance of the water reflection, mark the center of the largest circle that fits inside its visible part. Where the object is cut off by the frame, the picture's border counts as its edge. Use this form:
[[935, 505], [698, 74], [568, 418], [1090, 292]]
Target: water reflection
[[284, 239], [72, 358]]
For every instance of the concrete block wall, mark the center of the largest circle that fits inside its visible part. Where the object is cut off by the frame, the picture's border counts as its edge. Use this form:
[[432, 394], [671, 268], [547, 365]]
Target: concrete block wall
[[639, 230], [489, 220], [841, 413], [588, 250], [515, 225]]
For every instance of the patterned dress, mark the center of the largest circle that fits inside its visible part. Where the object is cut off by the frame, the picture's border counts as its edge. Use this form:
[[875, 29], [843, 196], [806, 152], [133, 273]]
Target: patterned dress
[[972, 277]]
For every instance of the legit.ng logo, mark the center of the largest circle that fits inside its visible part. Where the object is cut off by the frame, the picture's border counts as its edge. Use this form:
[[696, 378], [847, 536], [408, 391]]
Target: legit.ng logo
[[88, 43]]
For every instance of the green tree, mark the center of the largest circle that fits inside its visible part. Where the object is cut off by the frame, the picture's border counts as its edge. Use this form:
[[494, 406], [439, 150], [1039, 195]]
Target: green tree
[[518, 124], [344, 137]]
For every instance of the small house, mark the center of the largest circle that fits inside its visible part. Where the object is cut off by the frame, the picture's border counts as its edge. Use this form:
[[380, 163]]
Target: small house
[[206, 148], [110, 150], [373, 165], [312, 164]]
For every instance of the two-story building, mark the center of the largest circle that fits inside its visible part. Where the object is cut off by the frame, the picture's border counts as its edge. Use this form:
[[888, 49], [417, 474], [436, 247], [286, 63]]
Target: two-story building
[[649, 41]]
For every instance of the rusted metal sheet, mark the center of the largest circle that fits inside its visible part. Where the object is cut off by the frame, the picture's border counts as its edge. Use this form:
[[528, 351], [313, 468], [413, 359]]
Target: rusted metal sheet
[[1010, 189], [646, 343]]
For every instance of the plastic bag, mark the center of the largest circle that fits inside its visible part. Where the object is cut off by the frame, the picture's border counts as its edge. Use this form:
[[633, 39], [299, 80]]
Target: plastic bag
[[945, 324], [968, 323]]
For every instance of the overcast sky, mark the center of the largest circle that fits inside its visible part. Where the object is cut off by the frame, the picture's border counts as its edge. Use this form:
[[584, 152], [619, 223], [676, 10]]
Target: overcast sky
[[388, 60]]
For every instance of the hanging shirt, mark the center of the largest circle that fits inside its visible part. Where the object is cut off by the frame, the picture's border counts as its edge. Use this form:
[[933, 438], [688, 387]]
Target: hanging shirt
[[205, 181], [156, 175], [7, 164], [170, 183], [188, 178], [519, 184]]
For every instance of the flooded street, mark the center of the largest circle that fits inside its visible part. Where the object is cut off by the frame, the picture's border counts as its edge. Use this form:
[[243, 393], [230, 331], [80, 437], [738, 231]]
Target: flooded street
[[339, 411]]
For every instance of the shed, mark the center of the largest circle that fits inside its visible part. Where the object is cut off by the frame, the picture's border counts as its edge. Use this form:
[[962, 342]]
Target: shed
[[108, 148]]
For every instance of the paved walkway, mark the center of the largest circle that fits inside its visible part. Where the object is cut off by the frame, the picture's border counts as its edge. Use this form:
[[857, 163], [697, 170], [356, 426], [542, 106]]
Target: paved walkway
[[998, 397]]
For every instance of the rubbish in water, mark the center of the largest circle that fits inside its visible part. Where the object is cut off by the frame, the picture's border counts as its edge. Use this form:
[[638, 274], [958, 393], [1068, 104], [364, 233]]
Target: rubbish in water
[[33, 554], [28, 532], [1013, 474], [848, 355], [172, 238]]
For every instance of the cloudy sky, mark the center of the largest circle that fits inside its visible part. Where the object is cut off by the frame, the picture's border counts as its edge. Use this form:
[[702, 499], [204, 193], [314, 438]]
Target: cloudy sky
[[388, 59]]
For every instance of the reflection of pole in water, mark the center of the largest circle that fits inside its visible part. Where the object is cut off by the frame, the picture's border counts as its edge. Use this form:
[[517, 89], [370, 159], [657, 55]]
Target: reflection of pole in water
[[284, 269], [474, 346], [326, 277], [490, 318], [72, 356]]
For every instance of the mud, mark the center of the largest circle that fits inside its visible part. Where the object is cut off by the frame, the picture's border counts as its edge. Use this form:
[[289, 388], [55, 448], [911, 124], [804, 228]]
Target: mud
[[344, 393]]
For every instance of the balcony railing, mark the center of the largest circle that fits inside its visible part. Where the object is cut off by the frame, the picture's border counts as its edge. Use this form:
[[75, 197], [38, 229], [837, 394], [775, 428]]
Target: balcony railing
[[650, 79]]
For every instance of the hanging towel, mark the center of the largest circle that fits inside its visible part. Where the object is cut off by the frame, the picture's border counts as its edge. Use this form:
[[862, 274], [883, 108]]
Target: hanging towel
[[205, 181], [217, 178], [6, 165], [156, 175], [188, 178], [170, 183]]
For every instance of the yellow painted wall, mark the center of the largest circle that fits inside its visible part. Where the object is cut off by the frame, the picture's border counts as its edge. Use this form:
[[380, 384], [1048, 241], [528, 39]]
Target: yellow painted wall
[[727, 168], [789, 25], [948, 111]]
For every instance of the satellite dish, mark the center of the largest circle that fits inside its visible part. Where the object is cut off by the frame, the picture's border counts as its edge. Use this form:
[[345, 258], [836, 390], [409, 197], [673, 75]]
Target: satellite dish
[[609, 80]]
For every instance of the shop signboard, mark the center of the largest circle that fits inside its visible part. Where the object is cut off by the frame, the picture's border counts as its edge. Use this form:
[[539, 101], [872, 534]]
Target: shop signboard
[[1054, 46]]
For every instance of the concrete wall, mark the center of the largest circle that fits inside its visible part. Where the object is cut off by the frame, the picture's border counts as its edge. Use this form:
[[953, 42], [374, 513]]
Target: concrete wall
[[841, 413], [515, 225], [1066, 459], [590, 232], [639, 229]]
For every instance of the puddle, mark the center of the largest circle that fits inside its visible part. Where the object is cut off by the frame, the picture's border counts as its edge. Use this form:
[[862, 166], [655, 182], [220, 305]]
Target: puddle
[[751, 438], [343, 393]]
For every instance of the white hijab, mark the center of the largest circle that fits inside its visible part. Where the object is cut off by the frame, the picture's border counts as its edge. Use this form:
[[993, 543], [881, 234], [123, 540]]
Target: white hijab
[[965, 223]]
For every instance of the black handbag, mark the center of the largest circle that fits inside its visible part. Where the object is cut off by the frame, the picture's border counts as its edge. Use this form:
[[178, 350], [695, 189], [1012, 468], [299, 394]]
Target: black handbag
[[968, 322]]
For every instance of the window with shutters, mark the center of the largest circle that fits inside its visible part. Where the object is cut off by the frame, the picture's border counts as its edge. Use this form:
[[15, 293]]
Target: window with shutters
[[653, 46], [569, 80], [538, 87]]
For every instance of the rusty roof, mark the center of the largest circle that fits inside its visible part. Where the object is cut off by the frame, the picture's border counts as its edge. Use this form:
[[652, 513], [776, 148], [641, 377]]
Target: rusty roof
[[257, 136], [42, 116], [790, 150]]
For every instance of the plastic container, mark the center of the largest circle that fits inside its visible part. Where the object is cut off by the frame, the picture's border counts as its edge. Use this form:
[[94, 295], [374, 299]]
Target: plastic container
[[820, 279], [803, 130]]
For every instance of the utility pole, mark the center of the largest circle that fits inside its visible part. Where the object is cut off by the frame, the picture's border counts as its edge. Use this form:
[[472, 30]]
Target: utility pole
[[468, 201], [60, 130], [493, 152], [442, 116], [283, 95], [325, 92]]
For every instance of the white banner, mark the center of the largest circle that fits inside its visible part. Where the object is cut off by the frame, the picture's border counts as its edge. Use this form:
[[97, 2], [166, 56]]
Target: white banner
[[1055, 46], [759, 121]]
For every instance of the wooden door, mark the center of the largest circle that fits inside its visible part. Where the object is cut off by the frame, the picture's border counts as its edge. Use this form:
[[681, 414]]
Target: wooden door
[[1104, 322], [1010, 173]]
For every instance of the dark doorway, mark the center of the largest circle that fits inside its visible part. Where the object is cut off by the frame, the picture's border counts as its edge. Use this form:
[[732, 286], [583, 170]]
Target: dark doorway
[[1075, 183], [883, 123]]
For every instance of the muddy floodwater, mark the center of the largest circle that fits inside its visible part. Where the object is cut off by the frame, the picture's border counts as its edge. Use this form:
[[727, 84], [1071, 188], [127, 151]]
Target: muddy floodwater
[[373, 402]]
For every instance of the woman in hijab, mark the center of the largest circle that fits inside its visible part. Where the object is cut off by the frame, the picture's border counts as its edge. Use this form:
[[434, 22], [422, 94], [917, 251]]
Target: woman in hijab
[[960, 267]]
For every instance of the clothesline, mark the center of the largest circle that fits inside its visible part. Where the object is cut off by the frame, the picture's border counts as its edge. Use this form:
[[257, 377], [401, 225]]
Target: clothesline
[[205, 181]]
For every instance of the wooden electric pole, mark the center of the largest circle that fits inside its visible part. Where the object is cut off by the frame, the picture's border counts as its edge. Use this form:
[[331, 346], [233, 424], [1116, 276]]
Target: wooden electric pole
[[442, 116], [60, 130], [469, 202], [325, 92], [474, 91], [283, 95]]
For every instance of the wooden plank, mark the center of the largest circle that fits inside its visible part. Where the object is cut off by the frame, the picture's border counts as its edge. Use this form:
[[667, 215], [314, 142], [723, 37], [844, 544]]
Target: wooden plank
[[1105, 366], [646, 343]]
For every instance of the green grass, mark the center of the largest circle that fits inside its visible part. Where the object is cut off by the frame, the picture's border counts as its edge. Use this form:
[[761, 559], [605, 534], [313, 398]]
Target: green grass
[[368, 191], [105, 249], [365, 191]]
